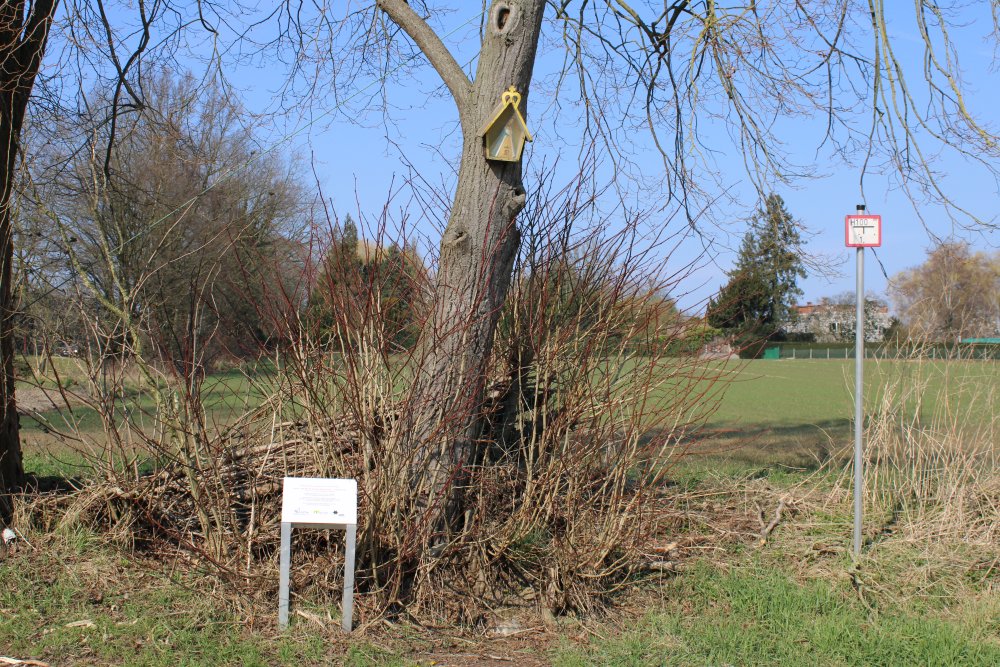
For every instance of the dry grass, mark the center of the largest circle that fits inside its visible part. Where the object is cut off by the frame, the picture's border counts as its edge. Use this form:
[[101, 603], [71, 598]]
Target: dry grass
[[936, 475]]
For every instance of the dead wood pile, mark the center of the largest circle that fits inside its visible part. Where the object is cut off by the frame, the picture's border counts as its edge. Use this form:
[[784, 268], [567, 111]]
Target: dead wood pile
[[226, 508]]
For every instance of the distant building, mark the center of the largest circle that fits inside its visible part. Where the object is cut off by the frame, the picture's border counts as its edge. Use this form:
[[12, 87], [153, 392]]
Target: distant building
[[831, 322]]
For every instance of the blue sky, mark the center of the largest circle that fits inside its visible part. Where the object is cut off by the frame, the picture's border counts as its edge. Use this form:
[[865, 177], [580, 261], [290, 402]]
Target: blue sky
[[360, 153]]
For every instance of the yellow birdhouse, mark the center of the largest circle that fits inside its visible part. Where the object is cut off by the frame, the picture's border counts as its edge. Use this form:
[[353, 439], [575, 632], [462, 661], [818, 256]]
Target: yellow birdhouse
[[505, 133]]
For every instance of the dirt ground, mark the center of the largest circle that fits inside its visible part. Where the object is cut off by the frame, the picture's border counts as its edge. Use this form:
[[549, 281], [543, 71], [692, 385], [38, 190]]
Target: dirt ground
[[36, 399]]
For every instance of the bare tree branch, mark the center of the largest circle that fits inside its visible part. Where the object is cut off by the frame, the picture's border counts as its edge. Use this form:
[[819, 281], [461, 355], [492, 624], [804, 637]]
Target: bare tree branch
[[437, 53]]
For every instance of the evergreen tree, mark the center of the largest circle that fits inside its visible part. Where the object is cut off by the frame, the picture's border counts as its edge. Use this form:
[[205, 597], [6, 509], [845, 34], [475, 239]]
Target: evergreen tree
[[373, 285], [348, 241], [335, 295], [396, 276], [758, 298]]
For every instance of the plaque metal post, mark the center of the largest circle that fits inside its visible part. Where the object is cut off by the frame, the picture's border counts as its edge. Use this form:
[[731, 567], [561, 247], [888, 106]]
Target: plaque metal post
[[318, 503]]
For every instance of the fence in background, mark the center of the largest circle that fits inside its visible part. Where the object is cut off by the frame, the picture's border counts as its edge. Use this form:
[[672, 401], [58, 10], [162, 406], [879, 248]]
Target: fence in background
[[953, 351]]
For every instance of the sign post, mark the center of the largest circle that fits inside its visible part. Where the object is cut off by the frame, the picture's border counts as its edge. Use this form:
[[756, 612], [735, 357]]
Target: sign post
[[318, 503], [862, 231]]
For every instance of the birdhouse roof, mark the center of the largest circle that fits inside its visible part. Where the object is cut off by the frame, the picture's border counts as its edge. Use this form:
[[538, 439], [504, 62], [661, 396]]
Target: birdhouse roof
[[511, 99]]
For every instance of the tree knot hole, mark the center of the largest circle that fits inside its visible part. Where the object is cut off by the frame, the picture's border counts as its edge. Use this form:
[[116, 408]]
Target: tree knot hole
[[503, 17], [457, 238]]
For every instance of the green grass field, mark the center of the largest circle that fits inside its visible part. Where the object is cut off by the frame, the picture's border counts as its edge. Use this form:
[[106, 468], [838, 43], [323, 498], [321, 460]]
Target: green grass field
[[757, 614], [44, 428], [775, 393], [225, 396], [790, 412], [799, 413], [72, 599], [806, 393]]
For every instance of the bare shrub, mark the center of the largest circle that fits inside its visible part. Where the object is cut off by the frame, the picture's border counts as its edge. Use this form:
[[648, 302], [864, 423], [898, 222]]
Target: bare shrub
[[585, 407], [592, 390], [933, 448]]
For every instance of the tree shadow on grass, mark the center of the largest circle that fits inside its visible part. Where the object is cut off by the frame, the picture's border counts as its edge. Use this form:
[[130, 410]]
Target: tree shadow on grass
[[758, 450]]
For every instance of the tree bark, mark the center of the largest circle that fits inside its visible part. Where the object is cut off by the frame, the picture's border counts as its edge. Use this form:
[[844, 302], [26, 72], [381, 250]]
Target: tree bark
[[443, 423], [22, 44]]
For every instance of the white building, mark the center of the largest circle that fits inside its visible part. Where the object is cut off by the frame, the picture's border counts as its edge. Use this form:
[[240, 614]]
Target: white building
[[831, 322]]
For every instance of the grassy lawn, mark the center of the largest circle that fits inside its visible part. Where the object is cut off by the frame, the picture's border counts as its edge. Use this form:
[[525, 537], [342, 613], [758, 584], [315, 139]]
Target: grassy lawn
[[225, 395], [805, 393], [769, 414], [78, 601], [787, 396], [758, 614], [792, 413], [799, 413], [71, 598]]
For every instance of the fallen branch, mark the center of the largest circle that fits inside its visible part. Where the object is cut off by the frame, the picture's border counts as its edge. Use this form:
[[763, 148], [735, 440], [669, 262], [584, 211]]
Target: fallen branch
[[311, 617], [660, 566], [769, 528], [666, 548]]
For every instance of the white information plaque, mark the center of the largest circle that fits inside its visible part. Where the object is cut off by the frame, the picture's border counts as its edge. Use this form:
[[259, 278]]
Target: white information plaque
[[312, 502], [318, 501]]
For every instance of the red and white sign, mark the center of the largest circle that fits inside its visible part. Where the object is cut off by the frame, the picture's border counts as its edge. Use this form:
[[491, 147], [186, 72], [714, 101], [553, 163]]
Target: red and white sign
[[864, 231]]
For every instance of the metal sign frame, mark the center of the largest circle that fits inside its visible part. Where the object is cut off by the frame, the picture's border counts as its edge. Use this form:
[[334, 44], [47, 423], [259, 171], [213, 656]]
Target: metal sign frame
[[334, 488]]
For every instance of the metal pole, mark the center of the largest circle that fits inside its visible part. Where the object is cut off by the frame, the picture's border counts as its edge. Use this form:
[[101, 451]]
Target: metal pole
[[284, 565], [859, 381], [347, 604]]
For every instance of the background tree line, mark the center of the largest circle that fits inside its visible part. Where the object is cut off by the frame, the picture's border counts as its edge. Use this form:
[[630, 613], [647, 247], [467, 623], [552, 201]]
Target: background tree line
[[758, 299], [173, 229], [954, 294]]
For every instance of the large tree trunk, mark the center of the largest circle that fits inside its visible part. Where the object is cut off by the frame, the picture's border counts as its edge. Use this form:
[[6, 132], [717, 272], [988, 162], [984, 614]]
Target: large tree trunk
[[11, 466], [443, 421], [22, 43]]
